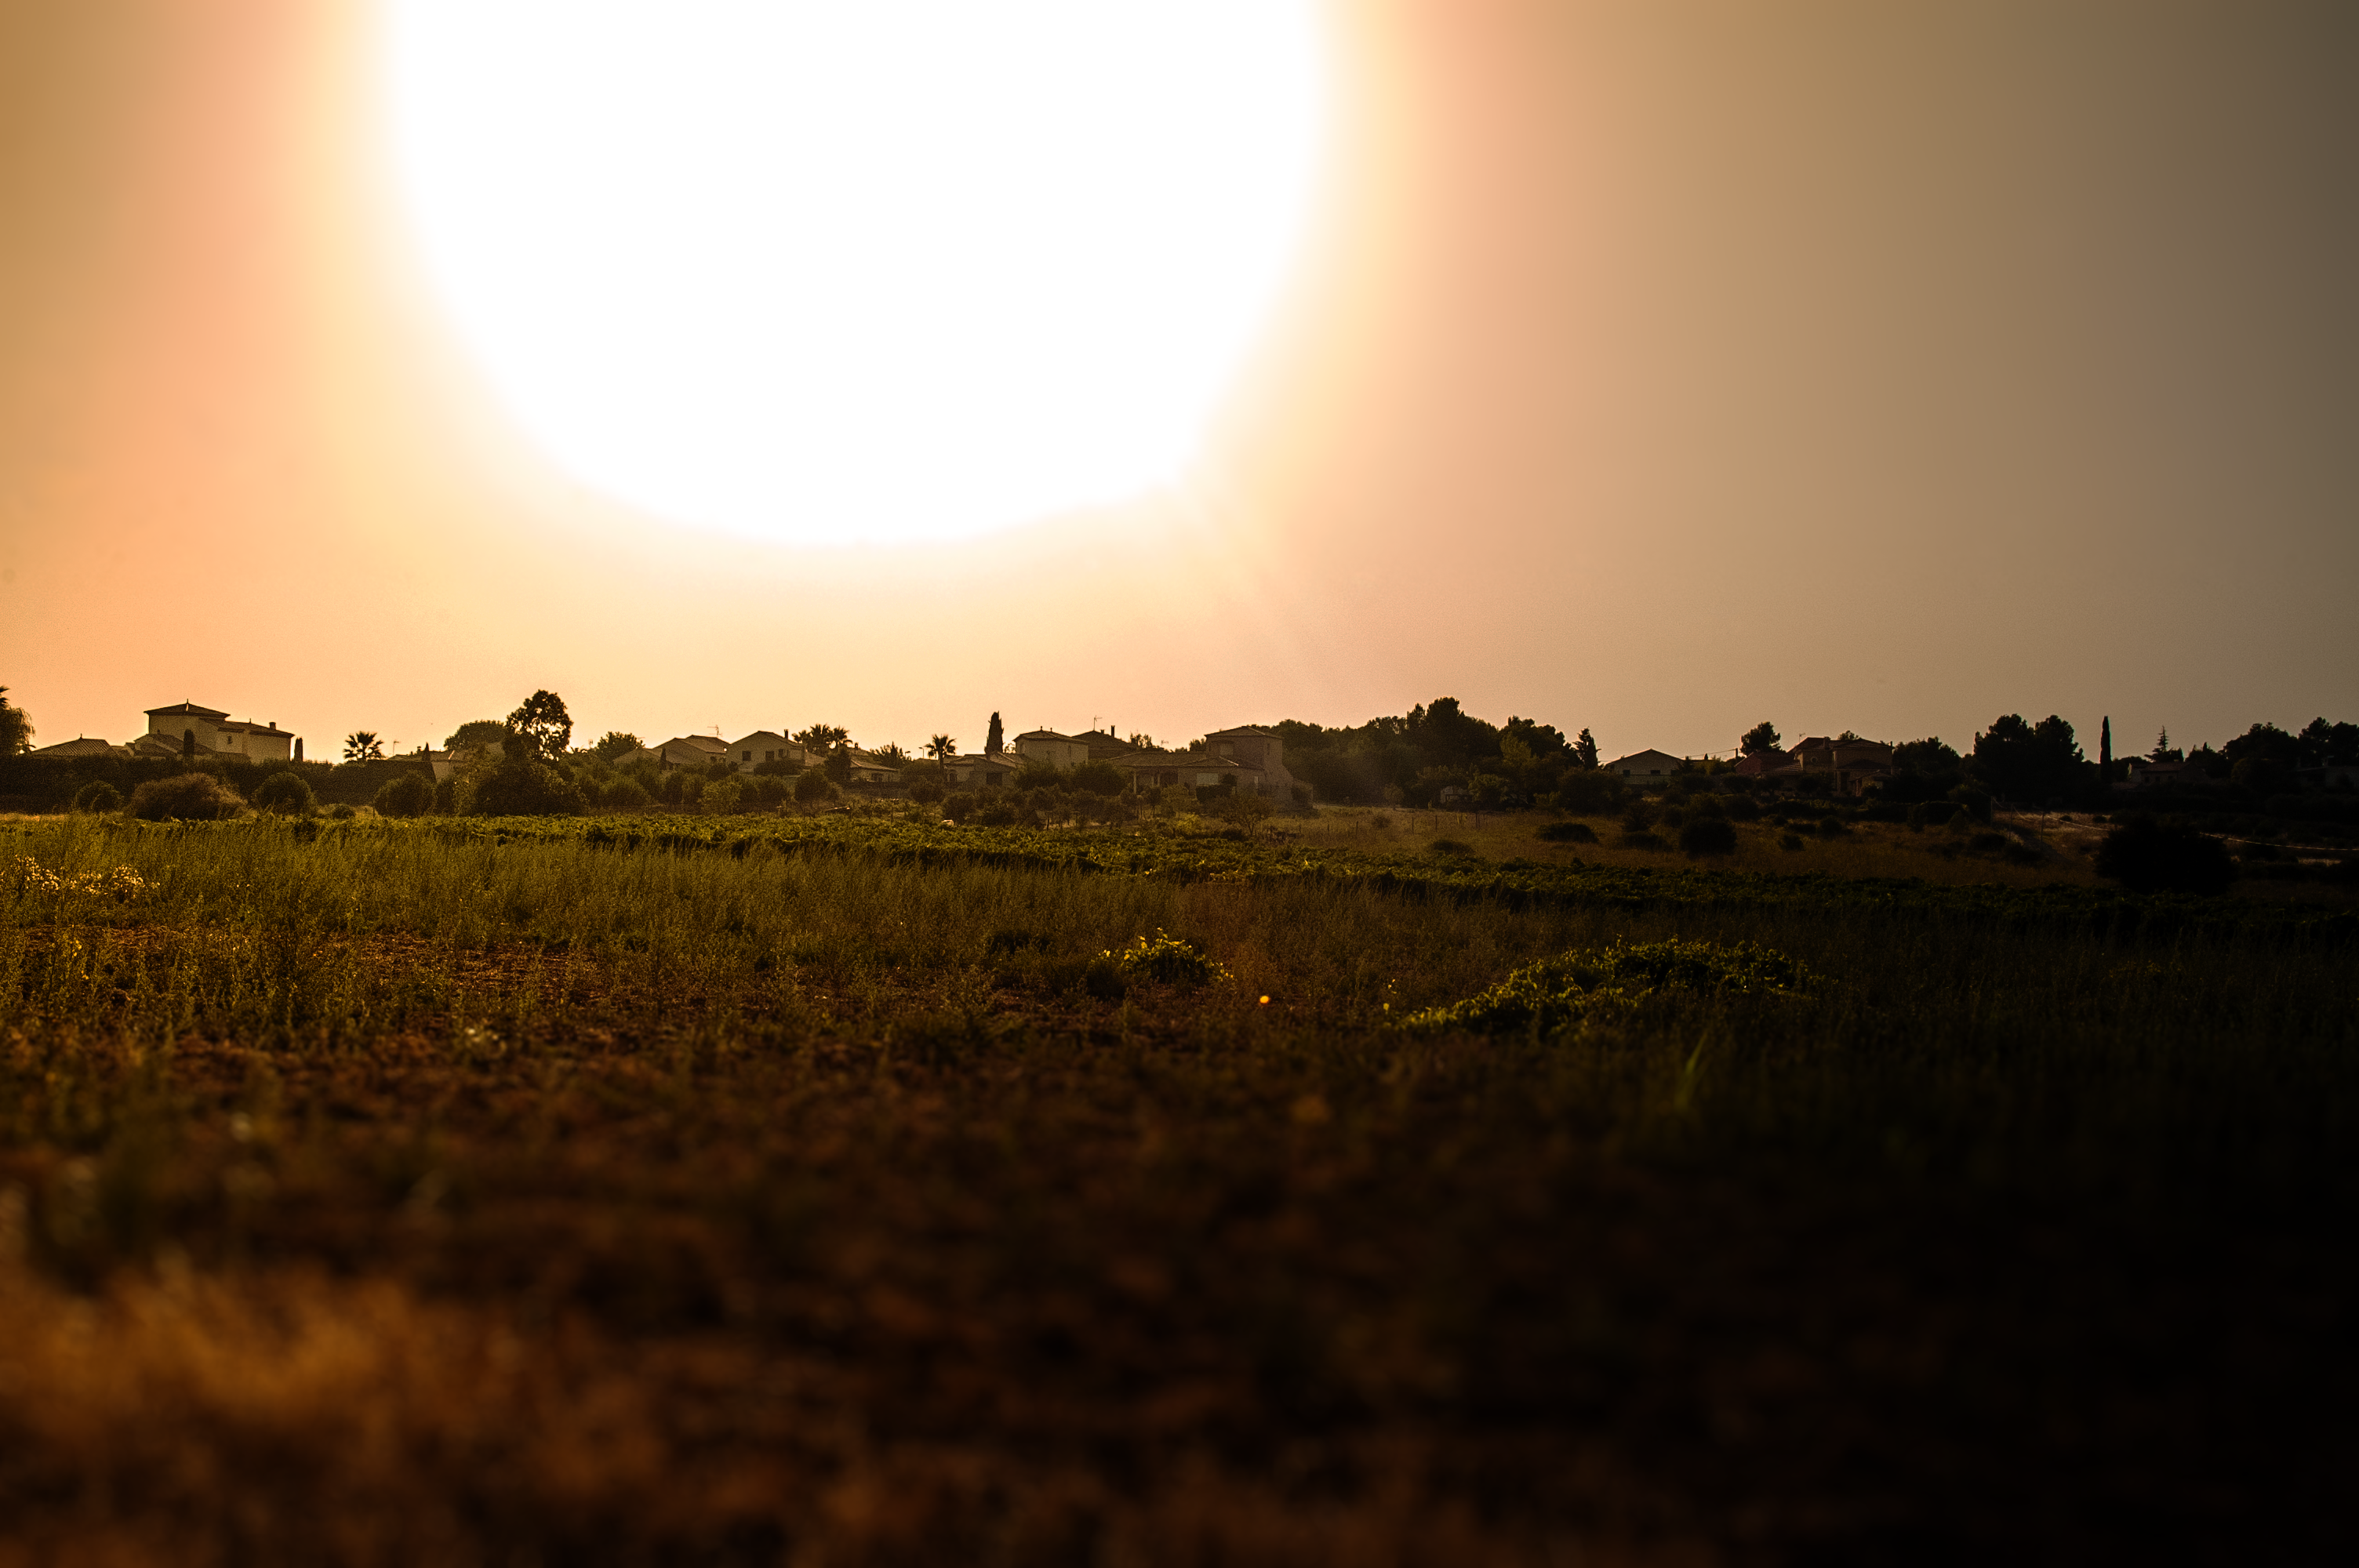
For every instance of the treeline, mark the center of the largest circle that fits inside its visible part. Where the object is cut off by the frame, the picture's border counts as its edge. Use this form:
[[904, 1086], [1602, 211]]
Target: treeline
[[1435, 746]]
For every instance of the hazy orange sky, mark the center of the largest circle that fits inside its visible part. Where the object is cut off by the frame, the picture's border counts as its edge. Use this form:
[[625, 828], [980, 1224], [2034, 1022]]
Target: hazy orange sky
[[1655, 367]]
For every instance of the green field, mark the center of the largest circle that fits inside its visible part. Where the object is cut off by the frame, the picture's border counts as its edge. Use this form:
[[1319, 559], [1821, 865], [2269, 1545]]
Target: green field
[[830, 1189]]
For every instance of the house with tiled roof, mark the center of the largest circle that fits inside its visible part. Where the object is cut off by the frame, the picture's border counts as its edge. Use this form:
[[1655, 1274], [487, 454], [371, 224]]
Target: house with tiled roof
[[1048, 746], [210, 732]]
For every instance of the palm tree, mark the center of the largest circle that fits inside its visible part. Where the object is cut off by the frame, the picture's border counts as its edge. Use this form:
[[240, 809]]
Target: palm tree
[[362, 746], [942, 747]]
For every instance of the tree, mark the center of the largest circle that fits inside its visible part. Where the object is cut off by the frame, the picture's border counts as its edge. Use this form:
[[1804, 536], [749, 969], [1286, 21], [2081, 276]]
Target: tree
[[194, 797], [1929, 756], [2105, 751], [837, 766], [996, 739], [362, 746], [942, 747], [2265, 741], [1544, 740], [616, 743], [476, 733], [891, 751], [1762, 738], [1141, 740], [188, 745], [16, 726], [541, 721], [2027, 761], [1584, 751], [2164, 752], [407, 793], [820, 737], [2322, 742]]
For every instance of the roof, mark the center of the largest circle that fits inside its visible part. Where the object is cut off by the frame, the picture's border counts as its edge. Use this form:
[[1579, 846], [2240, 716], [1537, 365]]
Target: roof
[[1241, 730], [189, 708], [760, 736], [1648, 755], [699, 743], [81, 746], [1045, 735], [248, 727]]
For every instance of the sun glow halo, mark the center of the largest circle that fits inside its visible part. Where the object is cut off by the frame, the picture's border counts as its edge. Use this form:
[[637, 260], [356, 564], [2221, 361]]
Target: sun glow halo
[[871, 271]]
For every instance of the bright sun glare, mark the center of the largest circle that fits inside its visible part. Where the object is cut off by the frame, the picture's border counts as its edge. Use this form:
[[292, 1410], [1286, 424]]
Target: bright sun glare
[[867, 271]]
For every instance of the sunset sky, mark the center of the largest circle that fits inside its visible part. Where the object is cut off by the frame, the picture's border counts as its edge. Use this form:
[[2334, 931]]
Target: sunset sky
[[1654, 367]]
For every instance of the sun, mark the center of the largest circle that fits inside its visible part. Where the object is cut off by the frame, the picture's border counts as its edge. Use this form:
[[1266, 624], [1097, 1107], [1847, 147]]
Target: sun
[[872, 271]]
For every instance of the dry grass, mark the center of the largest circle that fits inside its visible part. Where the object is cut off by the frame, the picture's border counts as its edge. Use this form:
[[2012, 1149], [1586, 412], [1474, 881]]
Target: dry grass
[[387, 1200]]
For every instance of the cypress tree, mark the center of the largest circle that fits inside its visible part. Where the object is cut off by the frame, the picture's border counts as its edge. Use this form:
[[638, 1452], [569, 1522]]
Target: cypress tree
[[2105, 751], [992, 744]]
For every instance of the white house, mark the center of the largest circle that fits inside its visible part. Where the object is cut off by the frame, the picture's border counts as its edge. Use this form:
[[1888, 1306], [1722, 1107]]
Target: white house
[[1048, 746], [750, 751], [214, 733]]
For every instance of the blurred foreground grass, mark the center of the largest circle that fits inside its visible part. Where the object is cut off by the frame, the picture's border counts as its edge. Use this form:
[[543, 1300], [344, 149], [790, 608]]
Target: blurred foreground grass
[[392, 1195]]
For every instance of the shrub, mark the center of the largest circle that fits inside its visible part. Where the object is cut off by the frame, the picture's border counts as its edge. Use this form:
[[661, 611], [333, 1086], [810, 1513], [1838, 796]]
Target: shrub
[[1933, 813], [721, 797], [285, 793], [1559, 992], [1098, 778], [520, 785], [446, 795], [1167, 959], [1246, 808], [1568, 833], [625, 794], [928, 792], [405, 794], [1988, 843], [811, 784], [768, 790], [2147, 856], [1790, 840], [1709, 835], [673, 787], [185, 797], [1976, 802], [98, 795], [958, 806], [1743, 808], [340, 812]]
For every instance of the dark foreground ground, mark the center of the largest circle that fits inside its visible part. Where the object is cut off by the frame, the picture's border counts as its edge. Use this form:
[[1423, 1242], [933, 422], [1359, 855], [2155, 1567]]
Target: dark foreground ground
[[382, 1196]]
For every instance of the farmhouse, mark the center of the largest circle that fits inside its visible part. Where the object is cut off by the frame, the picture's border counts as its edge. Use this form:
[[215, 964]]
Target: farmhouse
[[1647, 764], [211, 732], [82, 747], [1048, 746], [750, 751]]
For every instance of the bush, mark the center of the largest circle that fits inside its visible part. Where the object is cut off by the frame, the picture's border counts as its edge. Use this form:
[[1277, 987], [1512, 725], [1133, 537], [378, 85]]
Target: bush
[[1743, 808], [1097, 778], [1558, 993], [98, 795], [958, 806], [1933, 813], [1709, 835], [812, 785], [405, 794], [1790, 840], [521, 786], [285, 793], [625, 794], [721, 797], [1568, 833], [2147, 856], [185, 797], [768, 790], [928, 792], [1977, 803], [1167, 959]]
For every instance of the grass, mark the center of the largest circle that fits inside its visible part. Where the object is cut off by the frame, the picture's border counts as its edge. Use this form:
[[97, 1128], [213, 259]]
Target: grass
[[396, 1193]]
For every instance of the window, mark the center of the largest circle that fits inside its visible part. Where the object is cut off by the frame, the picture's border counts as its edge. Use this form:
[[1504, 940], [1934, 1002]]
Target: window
[[749, 756]]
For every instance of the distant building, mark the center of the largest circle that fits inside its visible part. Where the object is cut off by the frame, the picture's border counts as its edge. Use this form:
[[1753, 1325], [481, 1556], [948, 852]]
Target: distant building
[[750, 751], [1048, 746], [1647, 764], [2141, 774], [982, 770], [211, 732], [868, 768], [82, 747]]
